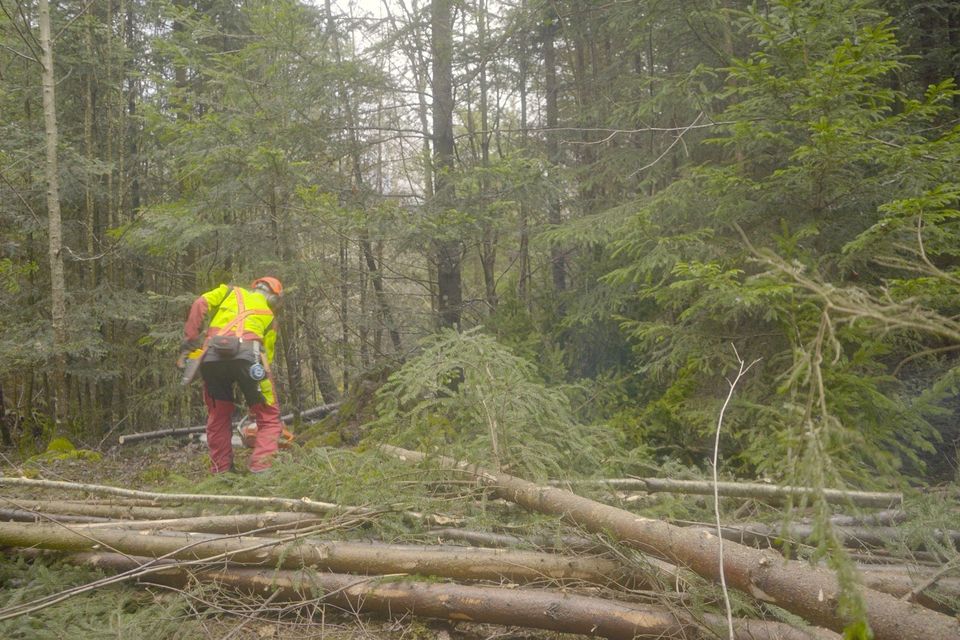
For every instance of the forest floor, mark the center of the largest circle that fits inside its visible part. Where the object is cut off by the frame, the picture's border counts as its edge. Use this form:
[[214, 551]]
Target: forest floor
[[128, 611], [347, 477]]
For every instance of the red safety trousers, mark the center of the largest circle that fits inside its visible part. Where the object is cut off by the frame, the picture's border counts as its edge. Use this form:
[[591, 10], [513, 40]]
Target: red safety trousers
[[220, 434], [269, 428]]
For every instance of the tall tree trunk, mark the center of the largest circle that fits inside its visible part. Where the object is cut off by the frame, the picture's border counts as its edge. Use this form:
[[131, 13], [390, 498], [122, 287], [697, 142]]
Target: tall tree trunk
[[558, 268], [88, 111], [318, 364], [5, 436], [448, 253], [523, 278], [58, 287], [488, 244], [345, 360]]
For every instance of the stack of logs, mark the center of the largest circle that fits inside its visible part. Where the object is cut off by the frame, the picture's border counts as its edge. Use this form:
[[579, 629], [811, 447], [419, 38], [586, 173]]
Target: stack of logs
[[276, 554]]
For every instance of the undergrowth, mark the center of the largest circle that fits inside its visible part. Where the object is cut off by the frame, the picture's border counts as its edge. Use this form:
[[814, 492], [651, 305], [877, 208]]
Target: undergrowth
[[114, 612]]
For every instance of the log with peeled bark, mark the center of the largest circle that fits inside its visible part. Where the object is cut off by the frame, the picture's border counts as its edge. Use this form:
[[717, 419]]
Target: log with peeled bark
[[754, 490], [462, 563], [538, 609], [809, 592]]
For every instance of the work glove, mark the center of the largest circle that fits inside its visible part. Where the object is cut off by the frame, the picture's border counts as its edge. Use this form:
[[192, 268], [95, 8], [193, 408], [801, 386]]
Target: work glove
[[186, 346]]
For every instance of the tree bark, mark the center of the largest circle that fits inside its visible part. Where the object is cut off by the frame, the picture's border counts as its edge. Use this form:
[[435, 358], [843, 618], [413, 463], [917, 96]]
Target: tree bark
[[288, 504], [448, 252], [895, 580], [25, 515], [558, 267], [58, 287], [757, 533], [765, 492], [903, 582], [267, 521], [5, 436], [461, 563], [318, 365], [539, 609], [809, 592], [114, 511]]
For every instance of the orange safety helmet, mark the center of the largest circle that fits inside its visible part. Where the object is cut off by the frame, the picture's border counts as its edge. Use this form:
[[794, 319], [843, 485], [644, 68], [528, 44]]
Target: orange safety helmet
[[271, 283]]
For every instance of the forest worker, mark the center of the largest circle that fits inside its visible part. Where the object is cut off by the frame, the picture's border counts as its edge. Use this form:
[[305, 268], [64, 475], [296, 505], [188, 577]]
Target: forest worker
[[237, 350]]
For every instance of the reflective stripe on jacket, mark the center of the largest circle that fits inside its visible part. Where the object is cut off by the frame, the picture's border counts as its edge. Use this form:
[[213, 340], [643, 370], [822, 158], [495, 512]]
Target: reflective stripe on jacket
[[254, 326]]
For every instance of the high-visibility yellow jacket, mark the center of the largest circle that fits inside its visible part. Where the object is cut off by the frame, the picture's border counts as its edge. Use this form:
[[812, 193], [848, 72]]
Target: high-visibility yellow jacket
[[257, 323]]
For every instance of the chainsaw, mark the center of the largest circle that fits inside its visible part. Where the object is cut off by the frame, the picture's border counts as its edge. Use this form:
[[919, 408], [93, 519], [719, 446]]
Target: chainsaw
[[247, 430]]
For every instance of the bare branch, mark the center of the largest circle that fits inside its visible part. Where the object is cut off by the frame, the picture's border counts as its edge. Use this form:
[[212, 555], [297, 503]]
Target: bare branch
[[742, 369]]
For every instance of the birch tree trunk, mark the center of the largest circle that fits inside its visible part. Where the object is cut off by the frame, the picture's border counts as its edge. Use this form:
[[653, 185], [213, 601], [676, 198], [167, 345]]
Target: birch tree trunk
[[58, 288]]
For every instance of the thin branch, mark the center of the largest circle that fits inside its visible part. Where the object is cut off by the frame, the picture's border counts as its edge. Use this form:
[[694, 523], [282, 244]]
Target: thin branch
[[672, 145], [911, 595], [18, 54], [20, 197], [26, 37], [926, 260], [743, 368], [922, 354], [71, 21]]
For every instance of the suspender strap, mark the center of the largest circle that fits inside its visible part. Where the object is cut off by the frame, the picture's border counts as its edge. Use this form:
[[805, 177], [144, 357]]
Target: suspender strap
[[236, 324]]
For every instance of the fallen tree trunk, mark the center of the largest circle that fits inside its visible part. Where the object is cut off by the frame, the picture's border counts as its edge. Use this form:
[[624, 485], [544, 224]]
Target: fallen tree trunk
[[115, 511], [754, 490], [888, 517], [26, 515], [936, 595], [896, 581], [462, 563], [544, 543], [756, 533], [539, 609], [223, 525], [288, 504], [809, 592], [310, 414]]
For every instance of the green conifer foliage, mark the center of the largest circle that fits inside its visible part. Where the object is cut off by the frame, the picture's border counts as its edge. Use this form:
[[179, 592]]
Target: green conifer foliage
[[758, 250], [467, 396]]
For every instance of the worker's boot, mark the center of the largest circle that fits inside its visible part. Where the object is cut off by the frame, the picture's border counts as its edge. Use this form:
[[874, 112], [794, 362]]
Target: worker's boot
[[269, 428], [219, 434]]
